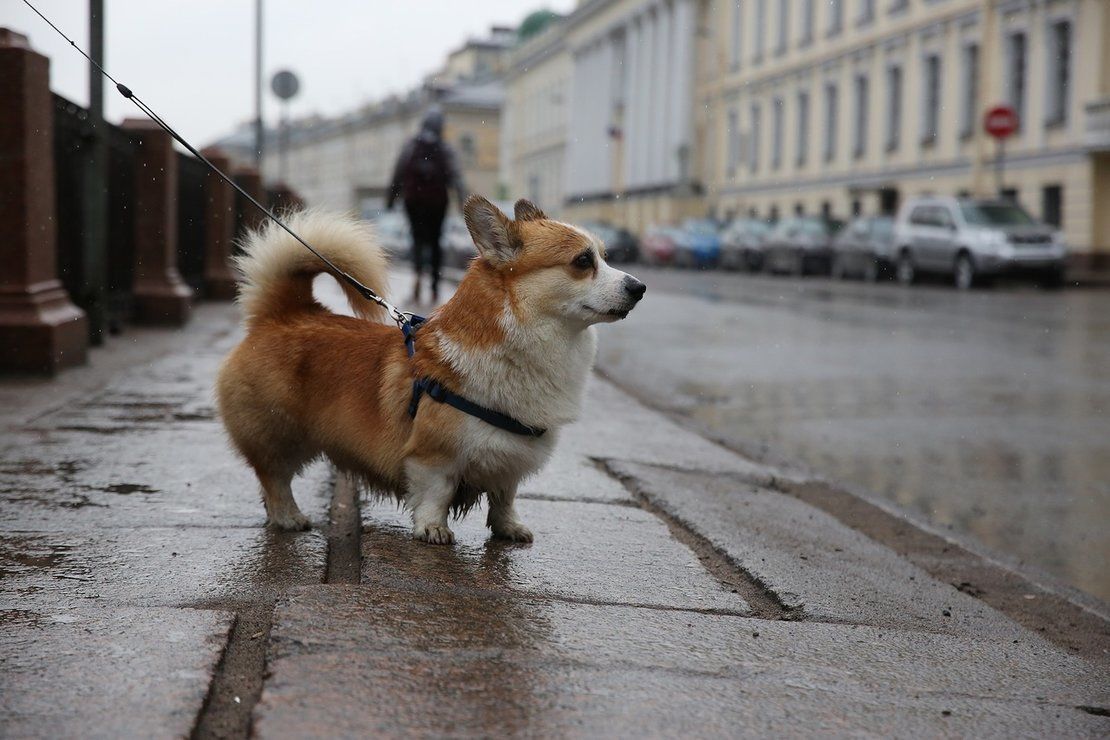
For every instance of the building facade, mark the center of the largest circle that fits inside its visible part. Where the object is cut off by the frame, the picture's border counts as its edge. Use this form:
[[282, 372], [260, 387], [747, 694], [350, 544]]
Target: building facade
[[850, 106], [633, 123], [534, 121]]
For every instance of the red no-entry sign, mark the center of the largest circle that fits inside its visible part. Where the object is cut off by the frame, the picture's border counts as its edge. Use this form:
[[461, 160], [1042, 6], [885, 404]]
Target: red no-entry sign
[[1000, 121]]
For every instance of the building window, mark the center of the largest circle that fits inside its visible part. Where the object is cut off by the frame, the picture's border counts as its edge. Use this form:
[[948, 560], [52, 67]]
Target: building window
[[784, 26], [830, 121], [753, 149], [1059, 72], [803, 127], [1015, 75], [866, 12], [799, 209], [969, 105], [862, 103], [733, 142], [776, 133], [930, 104], [807, 23], [1052, 205], [760, 29], [894, 108], [774, 213], [737, 34], [836, 16], [897, 6], [466, 148]]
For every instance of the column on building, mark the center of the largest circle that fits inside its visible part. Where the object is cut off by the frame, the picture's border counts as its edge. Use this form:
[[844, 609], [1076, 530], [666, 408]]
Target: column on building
[[603, 84], [664, 85], [681, 108], [656, 64], [576, 141], [642, 96], [630, 133]]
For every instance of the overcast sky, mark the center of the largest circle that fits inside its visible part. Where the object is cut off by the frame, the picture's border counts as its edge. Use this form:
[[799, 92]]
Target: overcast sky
[[192, 61]]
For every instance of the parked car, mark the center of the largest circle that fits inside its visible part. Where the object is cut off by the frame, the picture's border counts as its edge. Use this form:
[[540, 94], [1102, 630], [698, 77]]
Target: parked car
[[620, 244], [659, 245], [973, 240], [393, 234], [458, 246], [699, 244], [864, 249], [742, 244], [801, 245]]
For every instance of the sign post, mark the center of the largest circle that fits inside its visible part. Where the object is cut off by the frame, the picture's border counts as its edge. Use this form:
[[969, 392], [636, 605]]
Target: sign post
[[285, 85], [1001, 122]]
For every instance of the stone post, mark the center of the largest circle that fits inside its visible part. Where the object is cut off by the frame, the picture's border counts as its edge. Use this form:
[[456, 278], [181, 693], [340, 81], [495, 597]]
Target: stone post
[[41, 331], [161, 296], [219, 230], [250, 180]]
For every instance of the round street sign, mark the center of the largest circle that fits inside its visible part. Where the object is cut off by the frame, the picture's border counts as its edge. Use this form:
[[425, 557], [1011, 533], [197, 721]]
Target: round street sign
[[1000, 121], [285, 84]]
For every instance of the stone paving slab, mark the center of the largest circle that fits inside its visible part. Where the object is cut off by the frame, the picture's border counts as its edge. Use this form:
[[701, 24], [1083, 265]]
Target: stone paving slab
[[615, 425], [584, 551], [106, 673], [572, 476], [183, 477], [391, 661], [158, 566], [810, 560]]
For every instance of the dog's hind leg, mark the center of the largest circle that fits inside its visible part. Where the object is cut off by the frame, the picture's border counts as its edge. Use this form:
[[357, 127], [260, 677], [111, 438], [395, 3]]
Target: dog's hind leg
[[503, 519], [282, 511], [431, 488]]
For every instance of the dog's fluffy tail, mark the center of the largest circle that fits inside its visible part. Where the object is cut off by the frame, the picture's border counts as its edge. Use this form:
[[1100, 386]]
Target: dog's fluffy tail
[[277, 271]]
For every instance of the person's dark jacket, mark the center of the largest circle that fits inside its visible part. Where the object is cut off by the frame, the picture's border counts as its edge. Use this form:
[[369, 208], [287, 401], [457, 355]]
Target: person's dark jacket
[[426, 170]]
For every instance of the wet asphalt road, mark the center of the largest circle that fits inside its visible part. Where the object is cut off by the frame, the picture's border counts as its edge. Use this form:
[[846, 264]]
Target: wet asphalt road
[[987, 414]]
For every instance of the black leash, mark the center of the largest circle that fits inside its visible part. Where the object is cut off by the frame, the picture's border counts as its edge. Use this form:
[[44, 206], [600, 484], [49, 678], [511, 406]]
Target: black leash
[[396, 314], [408, 322]]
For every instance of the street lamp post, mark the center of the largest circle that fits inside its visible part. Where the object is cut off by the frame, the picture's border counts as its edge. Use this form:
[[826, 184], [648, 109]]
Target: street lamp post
[[258, 131]]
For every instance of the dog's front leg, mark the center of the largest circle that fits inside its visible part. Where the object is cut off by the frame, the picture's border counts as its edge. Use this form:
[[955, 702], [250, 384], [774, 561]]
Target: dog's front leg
[[430, 490], [503, 519]]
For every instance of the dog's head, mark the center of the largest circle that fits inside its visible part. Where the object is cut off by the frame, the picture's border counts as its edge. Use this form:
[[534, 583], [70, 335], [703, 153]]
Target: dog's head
[[553, 269]]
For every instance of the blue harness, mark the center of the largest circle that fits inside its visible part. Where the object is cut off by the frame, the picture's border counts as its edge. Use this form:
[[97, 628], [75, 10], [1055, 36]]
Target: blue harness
[[439, 394]]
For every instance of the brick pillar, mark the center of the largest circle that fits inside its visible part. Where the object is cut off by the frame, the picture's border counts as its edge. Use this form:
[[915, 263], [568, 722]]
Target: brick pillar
[[250, 180], [161, 296], [219, 230], [41, 331]]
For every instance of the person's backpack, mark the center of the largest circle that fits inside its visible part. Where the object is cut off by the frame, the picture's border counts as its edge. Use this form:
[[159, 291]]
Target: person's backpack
[[425, 177]]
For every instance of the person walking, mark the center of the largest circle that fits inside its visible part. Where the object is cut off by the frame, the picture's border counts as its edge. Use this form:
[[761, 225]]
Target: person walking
[[424, 173]]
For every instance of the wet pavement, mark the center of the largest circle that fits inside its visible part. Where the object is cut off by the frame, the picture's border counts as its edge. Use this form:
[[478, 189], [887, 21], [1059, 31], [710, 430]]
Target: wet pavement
[[674, 587], [986, 415]]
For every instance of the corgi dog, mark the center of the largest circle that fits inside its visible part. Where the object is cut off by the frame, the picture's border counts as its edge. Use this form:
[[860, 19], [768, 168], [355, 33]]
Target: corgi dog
[[517, 337]]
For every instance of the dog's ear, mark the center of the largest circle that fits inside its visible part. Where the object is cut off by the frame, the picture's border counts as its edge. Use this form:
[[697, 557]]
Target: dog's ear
[[491, 230], [526, 210]]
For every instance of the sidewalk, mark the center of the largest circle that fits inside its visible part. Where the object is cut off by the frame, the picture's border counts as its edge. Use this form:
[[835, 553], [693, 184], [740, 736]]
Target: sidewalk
[[673, 589]]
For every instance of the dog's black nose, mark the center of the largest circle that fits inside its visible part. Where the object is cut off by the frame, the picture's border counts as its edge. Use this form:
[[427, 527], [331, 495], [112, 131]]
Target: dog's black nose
[[634, 287]]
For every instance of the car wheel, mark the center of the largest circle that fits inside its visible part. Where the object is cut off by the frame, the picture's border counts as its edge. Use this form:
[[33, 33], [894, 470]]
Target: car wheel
[[1053, 279], [871, 270], [963, 275], [905, 270], [798, 264]]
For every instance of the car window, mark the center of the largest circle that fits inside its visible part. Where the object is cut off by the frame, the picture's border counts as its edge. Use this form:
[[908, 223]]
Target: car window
[[995, 214], [942, 218], [922, 216]]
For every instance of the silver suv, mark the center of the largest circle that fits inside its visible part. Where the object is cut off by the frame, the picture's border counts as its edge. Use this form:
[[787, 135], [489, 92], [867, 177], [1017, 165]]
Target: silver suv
[[974, 240]]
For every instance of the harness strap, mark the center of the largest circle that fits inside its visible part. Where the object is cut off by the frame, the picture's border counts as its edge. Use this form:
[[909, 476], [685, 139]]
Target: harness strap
[[439, 394]]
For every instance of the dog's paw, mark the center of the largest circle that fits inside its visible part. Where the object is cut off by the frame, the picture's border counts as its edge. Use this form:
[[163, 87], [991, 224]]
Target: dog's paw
[[514, 531], [434, 534], [290, 522]]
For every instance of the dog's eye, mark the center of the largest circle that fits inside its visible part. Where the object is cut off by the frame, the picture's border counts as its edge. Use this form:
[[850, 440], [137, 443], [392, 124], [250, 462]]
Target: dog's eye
[[584, 261]]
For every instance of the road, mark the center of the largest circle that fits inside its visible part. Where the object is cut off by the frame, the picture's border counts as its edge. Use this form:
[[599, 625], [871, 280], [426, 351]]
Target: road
[[987, 414]]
